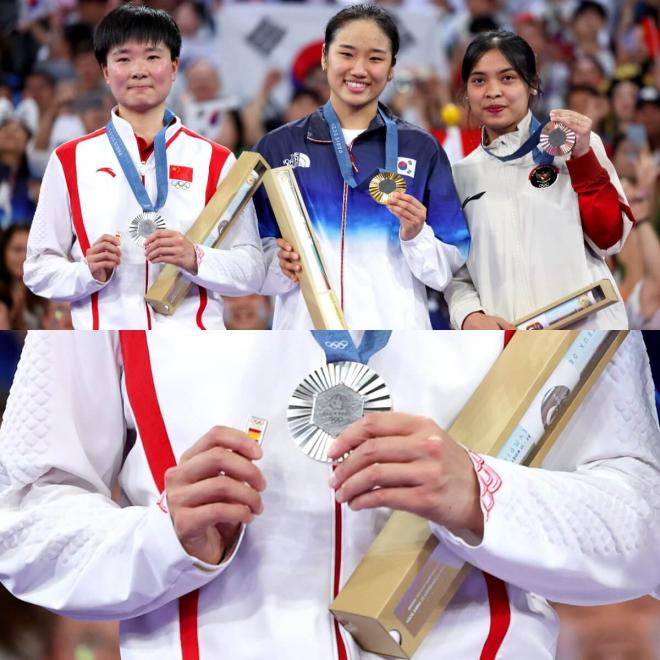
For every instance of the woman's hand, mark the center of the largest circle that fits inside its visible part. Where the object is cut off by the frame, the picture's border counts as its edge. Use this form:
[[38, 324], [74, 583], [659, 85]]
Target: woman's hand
[[103, 256], [407, 463], [167, 246], [481, 321], [579, 124], [411, 213], [213, 490], [289, 260]]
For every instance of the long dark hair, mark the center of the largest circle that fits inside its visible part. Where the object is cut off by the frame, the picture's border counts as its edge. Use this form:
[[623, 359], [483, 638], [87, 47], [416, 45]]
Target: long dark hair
[[33, 303], [364, 12], [516, 50]]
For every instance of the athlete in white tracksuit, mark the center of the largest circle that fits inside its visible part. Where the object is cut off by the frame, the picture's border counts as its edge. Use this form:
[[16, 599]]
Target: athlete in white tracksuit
[[88, 409], [85, 195]]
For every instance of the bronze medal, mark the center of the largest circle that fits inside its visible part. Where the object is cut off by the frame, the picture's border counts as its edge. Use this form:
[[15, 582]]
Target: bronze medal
[[556, 139]]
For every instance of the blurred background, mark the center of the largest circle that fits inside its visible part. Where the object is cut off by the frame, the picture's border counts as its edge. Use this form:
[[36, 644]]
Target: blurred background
[[628, 631], [247, 67]]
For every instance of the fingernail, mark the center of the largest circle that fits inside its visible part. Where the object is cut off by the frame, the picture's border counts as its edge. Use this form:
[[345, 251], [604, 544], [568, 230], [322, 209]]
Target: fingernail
[[339, 496], [332, 482]]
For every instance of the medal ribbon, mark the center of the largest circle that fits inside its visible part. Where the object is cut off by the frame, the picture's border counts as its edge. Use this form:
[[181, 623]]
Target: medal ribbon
[[130, 171], [531, 144], [338, 345], [341, 150]]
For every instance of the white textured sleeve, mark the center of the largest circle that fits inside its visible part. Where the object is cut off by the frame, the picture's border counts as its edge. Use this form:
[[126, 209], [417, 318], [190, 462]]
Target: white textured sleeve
[[64, 544], [430, 260], [584, 529], [49, 269], [276, 282], [462, 298], [237, 267]]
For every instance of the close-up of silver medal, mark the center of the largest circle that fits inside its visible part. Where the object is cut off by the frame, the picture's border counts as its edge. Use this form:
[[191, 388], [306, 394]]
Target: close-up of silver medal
[[331, 398], [145, 224], [556, 139]]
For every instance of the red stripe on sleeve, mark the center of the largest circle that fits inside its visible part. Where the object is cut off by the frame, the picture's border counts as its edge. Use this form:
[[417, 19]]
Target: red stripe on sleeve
[[598, 199], [67, 155], [500, 617], [158, 450]]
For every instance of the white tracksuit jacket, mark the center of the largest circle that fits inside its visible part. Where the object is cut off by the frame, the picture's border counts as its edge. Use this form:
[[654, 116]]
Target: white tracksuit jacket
[[528, 247], [584, 530], [85, 194]]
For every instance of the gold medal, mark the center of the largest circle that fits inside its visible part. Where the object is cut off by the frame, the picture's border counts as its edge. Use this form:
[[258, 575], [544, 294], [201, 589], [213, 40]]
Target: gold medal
[[384, 184]]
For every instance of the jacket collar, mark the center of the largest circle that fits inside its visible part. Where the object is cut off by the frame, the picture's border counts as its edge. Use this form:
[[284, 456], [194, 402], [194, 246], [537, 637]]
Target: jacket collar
[[509, 142], [127, 134], [318, 130]]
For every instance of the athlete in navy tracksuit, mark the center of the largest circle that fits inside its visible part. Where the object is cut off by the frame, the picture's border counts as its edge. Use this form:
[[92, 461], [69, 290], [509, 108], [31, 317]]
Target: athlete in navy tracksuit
[[379, 278]]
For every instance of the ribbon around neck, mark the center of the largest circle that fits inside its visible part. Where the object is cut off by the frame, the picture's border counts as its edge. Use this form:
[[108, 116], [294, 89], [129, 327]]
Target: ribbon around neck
[[130, 171], [531, 144]]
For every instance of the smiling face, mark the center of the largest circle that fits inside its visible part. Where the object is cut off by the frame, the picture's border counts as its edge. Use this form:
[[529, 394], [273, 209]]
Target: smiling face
[[359, 64], [497, 94], [140, 75]]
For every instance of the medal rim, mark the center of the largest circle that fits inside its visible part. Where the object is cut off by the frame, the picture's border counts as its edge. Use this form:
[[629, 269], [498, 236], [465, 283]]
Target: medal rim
[[374, 186], [312, 382]]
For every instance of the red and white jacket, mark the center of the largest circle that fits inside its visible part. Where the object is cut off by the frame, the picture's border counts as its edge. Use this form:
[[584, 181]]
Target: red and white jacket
[[85, 194], [531, 246], [89, 408]]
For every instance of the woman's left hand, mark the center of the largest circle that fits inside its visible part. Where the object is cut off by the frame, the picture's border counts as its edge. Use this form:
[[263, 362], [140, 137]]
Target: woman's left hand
[[579, 124], [411, 213], [167, 246], [408, 463]]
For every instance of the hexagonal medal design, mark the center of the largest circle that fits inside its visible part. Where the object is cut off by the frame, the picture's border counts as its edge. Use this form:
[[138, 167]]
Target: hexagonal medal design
[[336, 408]]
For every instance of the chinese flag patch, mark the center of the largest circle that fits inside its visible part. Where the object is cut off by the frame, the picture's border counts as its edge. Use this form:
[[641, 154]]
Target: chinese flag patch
[[181, 173]]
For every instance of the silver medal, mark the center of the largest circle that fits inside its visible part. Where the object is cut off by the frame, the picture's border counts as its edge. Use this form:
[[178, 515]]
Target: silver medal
[[331, 398], [145, 224]]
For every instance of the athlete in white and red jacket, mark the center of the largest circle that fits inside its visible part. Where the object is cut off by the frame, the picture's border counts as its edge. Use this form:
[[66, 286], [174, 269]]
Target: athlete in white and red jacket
[[80, 249], [87, 409]]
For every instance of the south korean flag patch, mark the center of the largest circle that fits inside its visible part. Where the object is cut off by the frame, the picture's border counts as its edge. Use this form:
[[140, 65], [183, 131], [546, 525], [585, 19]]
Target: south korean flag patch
[[406, 166]]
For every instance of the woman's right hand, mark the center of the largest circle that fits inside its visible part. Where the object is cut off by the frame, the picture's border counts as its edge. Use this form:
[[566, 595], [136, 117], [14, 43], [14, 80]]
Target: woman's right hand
[[214, 489], [481, 321], [103, 257], [289, 260]]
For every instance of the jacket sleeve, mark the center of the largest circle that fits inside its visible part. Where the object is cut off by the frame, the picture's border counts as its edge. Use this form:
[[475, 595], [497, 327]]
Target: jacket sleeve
[[49, 268], [441, 248], [236, 268], [462, 298], [604, 210], [64, 544], [584, 528]]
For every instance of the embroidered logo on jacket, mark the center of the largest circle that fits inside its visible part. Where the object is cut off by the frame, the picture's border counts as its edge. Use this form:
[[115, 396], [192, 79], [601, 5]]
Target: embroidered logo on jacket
[[297, 160], [181, 176], [107, 170], [406, 166], [471, 199], [489, 482]]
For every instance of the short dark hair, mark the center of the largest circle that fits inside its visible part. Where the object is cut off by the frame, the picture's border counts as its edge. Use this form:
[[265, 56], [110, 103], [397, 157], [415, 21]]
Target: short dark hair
[[364, 12], [136, 22], [516, 50]]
